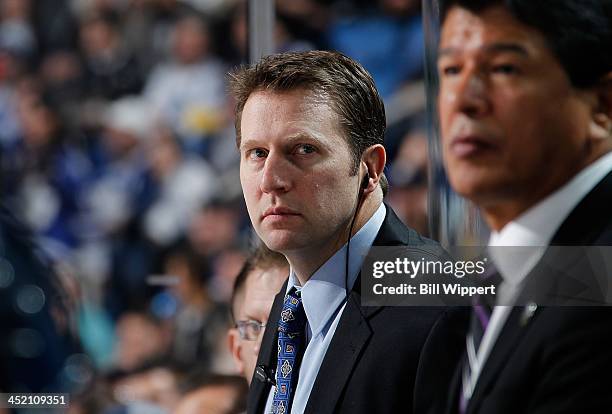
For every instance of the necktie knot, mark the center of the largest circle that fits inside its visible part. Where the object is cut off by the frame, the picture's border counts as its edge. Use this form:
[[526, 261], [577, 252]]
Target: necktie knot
[[292, 318]]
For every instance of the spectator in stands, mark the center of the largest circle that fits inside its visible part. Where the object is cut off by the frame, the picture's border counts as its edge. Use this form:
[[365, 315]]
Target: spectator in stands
[[17, 34], [117, 194], [387, 38], [184, 183], [408, 176], [200, 322], [189, 92], [141, 338], [152, 389], [111, 71], [216, 394], [45, 173], [215, 228]]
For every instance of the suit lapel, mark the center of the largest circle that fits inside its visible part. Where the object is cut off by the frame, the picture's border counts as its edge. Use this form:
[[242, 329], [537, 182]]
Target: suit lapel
[[514, 328], [353, 331], [350, 337], [587, 221], [259, 390], [581, 227]]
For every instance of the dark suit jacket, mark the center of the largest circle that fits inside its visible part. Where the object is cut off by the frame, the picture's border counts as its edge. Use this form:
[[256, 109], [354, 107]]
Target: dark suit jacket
[[551, 360], [372, 360]]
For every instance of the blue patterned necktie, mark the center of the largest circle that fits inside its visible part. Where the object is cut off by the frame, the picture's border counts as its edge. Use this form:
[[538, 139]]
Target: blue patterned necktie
[[291, 343]]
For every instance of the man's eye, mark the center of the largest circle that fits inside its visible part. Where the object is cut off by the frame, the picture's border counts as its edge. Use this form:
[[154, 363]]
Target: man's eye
[[304, 149], [257, 153], [505, 69], [450, 70]]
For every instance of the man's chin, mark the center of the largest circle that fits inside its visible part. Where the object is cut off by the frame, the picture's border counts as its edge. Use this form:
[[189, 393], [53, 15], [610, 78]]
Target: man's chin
[[476, 184], [281, 241]]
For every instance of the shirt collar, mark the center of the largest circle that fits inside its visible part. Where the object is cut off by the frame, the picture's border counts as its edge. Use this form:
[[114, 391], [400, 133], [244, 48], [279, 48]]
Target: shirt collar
[[323, 293], [537, 226]]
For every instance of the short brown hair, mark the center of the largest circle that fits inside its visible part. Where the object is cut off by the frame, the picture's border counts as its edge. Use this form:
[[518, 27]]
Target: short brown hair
[[348, 86], [260, 257]]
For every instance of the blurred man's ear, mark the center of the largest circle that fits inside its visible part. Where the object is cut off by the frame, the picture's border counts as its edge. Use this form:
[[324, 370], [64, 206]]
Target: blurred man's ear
[[601, 125], [235, 346]]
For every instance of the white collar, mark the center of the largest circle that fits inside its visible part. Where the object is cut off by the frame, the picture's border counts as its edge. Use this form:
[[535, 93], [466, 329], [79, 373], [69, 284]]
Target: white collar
[[323, 293], [537, 225]]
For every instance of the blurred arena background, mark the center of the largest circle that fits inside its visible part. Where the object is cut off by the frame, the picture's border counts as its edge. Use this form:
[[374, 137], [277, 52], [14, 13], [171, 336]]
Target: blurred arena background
[[117, 150]]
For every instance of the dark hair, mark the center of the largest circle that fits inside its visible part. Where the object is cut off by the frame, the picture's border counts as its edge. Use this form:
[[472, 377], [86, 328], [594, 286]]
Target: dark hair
[[259, 258], [579, 33], [183, 251], [348, 86]]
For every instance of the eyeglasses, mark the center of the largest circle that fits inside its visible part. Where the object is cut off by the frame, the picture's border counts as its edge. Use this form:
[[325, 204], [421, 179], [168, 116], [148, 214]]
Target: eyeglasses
[[249, 330]]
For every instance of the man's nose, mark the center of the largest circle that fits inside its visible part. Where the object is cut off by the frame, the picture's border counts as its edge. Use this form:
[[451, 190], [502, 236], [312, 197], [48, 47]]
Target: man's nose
[[470, 94], [275, 177]]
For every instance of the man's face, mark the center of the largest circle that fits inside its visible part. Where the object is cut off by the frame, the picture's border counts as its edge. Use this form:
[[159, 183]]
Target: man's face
[[513, 127], [260, 289], [295, 170]]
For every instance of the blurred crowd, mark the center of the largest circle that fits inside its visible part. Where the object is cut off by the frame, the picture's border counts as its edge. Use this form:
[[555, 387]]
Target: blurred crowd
[[117, 148]]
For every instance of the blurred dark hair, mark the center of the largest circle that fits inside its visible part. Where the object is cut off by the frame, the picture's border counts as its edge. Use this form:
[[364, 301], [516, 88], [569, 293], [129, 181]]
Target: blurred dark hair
[[349, 88], [262, 258], [199, 269], [579, 33]]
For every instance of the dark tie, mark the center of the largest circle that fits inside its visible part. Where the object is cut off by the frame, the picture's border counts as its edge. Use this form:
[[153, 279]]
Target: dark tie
[[291, 343], [482, 310]]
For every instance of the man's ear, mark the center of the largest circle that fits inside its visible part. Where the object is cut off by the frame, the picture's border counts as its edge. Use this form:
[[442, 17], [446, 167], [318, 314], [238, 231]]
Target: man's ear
[[375, 158], [601, 122], [235, 346]]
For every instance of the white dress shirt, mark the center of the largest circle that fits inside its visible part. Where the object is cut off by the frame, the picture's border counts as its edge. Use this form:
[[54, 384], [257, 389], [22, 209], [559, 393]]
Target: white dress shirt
[[535, 227], [323, 296]]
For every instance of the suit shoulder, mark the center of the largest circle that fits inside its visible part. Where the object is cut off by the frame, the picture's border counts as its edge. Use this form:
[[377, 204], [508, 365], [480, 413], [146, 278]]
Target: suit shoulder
[[394, 232]]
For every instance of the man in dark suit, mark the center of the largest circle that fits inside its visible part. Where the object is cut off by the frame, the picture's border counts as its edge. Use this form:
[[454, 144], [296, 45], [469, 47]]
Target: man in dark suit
[[310, 131], [525, 107]]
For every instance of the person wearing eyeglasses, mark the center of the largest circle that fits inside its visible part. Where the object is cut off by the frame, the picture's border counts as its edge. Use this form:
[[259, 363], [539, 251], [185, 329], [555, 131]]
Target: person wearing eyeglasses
[[255, 287]]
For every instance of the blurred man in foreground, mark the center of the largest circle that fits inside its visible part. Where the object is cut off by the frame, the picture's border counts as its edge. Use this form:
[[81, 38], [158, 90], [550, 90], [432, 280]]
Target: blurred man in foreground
[[526, 118]]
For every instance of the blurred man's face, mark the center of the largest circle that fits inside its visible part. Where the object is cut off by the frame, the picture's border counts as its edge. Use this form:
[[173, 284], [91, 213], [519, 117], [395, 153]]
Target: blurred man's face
[[514, 129], [190, 41], [259, 291], [295, 171], [138, 340]]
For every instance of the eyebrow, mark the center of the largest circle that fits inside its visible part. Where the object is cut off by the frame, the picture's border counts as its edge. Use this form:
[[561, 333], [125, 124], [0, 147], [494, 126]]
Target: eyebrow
[[289, 139], [304, 136], [491, 48]]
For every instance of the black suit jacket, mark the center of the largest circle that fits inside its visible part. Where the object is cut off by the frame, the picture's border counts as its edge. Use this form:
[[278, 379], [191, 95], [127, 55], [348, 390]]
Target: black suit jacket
[[372, 361], [551, 359]]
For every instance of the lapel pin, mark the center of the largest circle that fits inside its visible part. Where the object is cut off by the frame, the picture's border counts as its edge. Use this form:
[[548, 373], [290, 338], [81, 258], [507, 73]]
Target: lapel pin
[[530, 309]]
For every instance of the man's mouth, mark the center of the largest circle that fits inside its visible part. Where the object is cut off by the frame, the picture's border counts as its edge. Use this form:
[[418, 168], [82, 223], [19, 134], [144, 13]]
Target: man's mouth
[[279, 212], [465, 146]]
